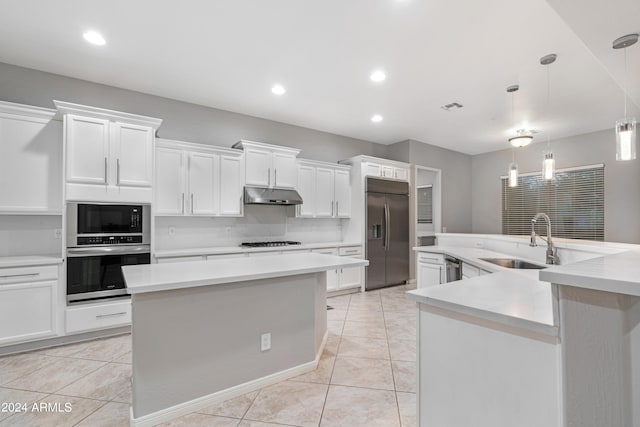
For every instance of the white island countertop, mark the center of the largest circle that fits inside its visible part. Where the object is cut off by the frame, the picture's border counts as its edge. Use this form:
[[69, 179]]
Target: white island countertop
[[618, 273], [163, 277]]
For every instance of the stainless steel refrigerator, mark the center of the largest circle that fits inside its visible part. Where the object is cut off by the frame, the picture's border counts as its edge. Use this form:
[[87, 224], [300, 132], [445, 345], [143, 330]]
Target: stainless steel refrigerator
[[387, 247]]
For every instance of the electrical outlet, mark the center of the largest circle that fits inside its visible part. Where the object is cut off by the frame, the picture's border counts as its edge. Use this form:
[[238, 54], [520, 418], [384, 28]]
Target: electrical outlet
[[478, 244], [265, 342], [172, 231], [228, 230], [57, 233]]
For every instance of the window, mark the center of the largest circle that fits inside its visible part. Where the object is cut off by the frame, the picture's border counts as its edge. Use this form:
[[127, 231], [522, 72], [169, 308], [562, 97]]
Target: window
[[425, 204], [574, 201]]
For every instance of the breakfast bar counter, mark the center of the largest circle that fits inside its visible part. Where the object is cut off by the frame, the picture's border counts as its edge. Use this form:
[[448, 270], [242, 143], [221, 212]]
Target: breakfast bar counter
[[208, 331]]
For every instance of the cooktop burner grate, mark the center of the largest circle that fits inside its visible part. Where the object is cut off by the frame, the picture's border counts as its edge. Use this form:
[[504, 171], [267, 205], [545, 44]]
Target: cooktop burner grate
[[268, 244]]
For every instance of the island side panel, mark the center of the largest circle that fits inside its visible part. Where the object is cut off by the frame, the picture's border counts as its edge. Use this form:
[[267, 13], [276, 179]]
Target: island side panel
[[193, 342], [600, 333], [474, 372]]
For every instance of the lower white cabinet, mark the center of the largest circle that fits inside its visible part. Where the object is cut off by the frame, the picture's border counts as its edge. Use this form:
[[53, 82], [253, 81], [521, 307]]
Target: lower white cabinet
[[98, 316], [431, 269], [344, 278], [332, 275], [28, 298]]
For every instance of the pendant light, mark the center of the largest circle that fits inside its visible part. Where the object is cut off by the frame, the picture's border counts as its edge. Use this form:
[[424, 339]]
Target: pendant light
[[625, 127], [548, 162], [513, 166], [522, 137]]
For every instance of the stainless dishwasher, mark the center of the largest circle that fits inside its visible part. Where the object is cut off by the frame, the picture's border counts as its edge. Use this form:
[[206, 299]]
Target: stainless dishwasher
[[453, 269]]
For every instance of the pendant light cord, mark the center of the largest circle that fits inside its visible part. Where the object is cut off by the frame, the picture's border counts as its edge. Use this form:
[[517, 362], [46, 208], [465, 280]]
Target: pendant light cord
[[624, 92], [548, 108]]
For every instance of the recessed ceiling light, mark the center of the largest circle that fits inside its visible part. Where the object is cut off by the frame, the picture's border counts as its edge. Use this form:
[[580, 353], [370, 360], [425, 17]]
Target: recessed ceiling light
[[278, 90], [376, 118], [94, 38], [378, 76]]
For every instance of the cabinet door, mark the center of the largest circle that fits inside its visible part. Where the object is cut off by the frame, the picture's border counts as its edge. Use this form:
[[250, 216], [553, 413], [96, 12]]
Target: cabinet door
[[131, 155], [306, 188], [30, 310], [87, 150], [284, 170], [350, 277], [203, 171], [170, 182], [373, 169], [387, 172], [324, 193], [401, 174], [30, 165], [332, 275], [429, 274], [258, 168], [342, 194], [231, 185]]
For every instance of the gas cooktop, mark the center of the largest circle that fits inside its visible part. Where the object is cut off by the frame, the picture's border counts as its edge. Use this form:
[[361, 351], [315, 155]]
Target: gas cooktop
[[268, 244]]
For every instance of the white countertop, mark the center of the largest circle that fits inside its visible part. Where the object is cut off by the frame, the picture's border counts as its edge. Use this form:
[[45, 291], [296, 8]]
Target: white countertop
[[220, 250], [618, 273], [512, 297], [28, 260], [163, 277]]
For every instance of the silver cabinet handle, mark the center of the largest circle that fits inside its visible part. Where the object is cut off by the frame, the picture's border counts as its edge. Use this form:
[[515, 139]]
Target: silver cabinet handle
[[103, 316], [275, 177], [355, 251], [269, 177], [118, 171], [332, 208], [337, 208], [6, 276], [191, 202], [183, 203], [106, 181]]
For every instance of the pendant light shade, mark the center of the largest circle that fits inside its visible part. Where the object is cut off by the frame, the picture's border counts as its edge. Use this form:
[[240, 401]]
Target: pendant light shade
[[626, 139], [513, 174], [521, 140], [625, 127], [548, 166]]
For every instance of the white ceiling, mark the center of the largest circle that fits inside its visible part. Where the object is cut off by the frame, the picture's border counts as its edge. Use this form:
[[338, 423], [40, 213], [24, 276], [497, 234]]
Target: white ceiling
[[228, 53]]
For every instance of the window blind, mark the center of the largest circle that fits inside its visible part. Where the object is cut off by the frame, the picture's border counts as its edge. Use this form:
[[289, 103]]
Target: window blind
[[425, 205], [574, 201]]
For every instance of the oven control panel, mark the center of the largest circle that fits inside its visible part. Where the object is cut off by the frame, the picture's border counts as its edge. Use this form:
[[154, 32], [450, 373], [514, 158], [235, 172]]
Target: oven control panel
[[108, 240]]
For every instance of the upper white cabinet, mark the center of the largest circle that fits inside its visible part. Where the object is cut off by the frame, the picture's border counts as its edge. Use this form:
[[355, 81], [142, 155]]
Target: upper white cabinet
[[325, 190], [30, 160], [109, 154], [382, 168], [197, 179], [269, 165]]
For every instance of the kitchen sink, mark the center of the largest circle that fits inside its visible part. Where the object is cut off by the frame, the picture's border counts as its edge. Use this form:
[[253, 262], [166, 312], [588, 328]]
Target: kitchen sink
[[514, 263]]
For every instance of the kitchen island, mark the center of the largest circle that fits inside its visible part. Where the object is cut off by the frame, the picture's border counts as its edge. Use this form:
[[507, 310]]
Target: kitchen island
[[556, 347], [207, 331]]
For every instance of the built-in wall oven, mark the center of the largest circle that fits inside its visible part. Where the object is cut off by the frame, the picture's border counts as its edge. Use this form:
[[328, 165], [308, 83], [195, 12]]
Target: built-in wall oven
[[101, 238]]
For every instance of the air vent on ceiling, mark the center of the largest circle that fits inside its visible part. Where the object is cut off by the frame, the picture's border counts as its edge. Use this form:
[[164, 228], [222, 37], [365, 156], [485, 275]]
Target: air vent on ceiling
[[452, 106]]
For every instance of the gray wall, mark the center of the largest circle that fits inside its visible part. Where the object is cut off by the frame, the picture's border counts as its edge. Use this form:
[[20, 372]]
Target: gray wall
[[622, 197], [181, 120], [456, 179]]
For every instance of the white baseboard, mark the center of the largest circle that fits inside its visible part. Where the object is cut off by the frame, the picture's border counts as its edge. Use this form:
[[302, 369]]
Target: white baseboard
[[185, 408]]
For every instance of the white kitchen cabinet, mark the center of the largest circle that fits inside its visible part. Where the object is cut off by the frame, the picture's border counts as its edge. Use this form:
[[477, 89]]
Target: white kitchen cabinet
[[109, 154], [30, 160], [431, 269], [342, 193], [28, 301], [324, 200], [350, 277], [307, 190], [332, 275], [390, 170], [170, 182], [269, 165], [197, 179], [97, 316], [231, 185], [203, 170], [325, 190]]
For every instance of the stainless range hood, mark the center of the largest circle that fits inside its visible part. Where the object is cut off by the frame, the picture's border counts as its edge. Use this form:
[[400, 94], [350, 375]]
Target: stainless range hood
[[271, 196]]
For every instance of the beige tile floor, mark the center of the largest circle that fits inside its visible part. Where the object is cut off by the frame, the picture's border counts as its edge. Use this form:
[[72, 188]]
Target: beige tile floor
[[366, 377]]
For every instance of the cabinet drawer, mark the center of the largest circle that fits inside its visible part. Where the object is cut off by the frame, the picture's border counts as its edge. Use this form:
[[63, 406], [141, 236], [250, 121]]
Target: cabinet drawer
[[28, 274], [225, 256], [427, 258], [268, 253], [98, 316], [326, 251], [352, 251]]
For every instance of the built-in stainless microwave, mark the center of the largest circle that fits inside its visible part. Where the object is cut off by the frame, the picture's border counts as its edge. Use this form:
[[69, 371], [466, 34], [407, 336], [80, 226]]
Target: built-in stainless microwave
[[97, 224]]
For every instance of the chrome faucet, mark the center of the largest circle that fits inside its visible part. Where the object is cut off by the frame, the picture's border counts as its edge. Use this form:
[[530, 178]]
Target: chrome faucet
[[552, 258]]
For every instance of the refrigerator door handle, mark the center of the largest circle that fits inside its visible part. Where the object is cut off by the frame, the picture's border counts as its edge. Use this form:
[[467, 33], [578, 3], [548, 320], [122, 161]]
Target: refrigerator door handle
[[387, 224]]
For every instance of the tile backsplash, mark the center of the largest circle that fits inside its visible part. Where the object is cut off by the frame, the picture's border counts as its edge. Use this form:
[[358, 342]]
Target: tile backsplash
[[30, 235]]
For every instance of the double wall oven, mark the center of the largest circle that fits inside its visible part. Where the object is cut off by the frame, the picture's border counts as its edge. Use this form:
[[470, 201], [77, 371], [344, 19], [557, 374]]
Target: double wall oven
[[101, 238]]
